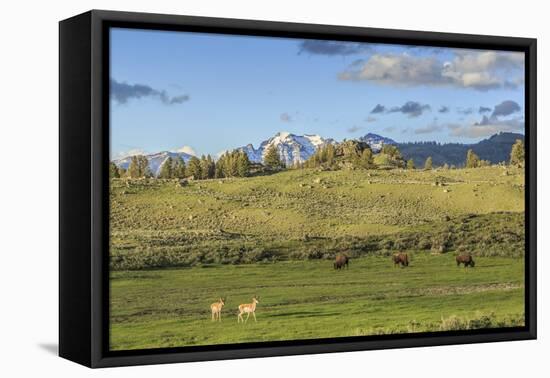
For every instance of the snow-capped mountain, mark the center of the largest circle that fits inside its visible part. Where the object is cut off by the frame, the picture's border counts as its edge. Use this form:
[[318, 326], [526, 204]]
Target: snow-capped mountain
[[376, 141], [155, 160], [292, 148]]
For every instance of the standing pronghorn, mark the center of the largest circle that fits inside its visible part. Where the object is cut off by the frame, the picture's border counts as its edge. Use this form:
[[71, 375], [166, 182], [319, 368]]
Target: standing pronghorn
[[248, 308], [216, 308]]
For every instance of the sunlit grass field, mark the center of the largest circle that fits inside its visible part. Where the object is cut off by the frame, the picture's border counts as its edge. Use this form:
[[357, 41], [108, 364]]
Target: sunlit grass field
[[309, 299]]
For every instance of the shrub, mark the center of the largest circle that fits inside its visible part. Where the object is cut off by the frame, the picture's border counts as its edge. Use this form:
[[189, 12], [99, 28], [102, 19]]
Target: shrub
[[502, 235], [480, 321]]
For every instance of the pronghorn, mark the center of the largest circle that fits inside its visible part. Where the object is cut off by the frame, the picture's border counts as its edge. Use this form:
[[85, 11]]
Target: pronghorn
[[216, 308], [247, 308]]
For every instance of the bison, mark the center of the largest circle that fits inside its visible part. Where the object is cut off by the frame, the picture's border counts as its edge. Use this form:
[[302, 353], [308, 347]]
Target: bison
[[401, 258], [467, 260], [341, 261]]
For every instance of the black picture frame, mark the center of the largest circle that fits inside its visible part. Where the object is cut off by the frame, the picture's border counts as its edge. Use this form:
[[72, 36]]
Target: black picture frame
[[84, 191]]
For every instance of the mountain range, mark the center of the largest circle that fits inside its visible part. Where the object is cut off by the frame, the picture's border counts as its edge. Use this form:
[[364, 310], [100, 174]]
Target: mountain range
[[298, 148]]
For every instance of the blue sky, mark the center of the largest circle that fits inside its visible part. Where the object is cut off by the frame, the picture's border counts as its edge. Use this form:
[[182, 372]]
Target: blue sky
[[208, 93]]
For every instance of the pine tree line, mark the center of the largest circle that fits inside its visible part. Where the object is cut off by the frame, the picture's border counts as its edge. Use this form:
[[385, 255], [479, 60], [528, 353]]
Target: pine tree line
[[236, 163], [350, 153], [230, 164], [139, 167]]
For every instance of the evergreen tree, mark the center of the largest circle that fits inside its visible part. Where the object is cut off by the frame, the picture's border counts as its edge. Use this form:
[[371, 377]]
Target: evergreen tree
[[391, 150], [365, 160], [243, 164], [394, 155], [211, 167], [315, 160], [311, 161], [472, 160], [144, 167], [219, 169], [208, 167], [194, 168], [133, 168], [139, 167], [350, 149], [178, 170], [295, 165], [204, 167], [167, 169], [113, 170], [331, 153], [517, 155], [410, 164], [230, 165], [272, 158], [428, 164]]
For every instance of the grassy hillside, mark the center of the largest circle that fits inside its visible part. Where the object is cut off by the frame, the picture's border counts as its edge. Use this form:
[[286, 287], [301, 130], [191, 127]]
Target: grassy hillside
[[308, 299], [313, 214]]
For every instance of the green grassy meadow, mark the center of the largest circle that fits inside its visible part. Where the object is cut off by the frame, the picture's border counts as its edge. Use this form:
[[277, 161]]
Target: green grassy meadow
[[175, 250]]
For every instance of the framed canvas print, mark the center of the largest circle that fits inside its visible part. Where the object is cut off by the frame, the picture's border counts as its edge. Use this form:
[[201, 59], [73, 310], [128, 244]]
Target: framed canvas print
[[234, 188]]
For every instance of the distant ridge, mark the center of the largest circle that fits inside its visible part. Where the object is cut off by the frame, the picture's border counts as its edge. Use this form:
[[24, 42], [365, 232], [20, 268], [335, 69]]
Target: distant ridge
[[495, 149]]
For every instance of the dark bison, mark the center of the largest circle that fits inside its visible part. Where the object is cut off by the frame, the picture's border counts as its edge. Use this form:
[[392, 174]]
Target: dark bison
[[467, 260], [341, 261], [401, 258]]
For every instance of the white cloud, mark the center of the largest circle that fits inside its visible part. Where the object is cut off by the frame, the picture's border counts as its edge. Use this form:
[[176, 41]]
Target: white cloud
[[131, 152], [472, 60], [187, 150], [487, 127], [395, 69], [481, 70], [220, 153]]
